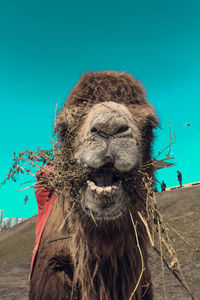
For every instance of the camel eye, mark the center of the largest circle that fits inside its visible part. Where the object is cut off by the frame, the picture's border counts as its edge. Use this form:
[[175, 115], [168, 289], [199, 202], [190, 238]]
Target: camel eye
[[93, 129], [122, 129]]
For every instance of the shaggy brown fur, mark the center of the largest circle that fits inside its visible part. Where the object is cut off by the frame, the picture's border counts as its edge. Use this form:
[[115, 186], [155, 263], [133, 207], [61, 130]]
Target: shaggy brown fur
[[98, 261]]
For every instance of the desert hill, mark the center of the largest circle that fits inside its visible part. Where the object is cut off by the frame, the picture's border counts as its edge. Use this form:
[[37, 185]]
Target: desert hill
[[16, 246], [180, 208]]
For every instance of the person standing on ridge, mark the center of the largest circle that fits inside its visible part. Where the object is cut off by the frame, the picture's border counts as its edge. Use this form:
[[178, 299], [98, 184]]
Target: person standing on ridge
[[163, 186], [179, 176]]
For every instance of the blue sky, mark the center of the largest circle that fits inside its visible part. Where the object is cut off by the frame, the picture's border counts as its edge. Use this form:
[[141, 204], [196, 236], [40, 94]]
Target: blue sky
[[47, 45]]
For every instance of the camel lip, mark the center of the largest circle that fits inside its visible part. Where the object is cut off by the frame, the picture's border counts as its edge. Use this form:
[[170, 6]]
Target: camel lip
[[107, 213], [104, 206]]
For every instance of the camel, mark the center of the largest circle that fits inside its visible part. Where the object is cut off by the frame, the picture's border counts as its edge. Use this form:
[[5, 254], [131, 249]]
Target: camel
[[94, 245]]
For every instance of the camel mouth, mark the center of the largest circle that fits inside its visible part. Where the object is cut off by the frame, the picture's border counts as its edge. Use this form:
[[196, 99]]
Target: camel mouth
[[104, 196]]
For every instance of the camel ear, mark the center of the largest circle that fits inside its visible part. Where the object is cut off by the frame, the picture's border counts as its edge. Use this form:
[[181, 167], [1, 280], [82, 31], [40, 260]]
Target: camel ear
[[148, 123], [61, 125], [152, 121], [61, 130]]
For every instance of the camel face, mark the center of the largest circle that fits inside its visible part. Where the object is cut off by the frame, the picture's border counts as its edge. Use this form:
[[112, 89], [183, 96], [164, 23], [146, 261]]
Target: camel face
[[108, 144]]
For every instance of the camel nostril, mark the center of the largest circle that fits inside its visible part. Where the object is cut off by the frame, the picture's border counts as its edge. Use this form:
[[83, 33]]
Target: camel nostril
[[93, 129], [122, 129]]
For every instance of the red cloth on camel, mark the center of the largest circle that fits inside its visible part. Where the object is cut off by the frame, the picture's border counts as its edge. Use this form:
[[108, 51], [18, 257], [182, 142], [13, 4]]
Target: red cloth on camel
[[45, 200]]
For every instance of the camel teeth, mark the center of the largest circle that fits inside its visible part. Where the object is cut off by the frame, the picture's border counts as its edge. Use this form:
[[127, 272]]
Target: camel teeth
[[108, 190], [93, 187], [91, 184], [99, 190]]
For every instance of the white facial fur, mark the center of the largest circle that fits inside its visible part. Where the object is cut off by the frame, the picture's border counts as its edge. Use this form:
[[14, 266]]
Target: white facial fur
[[108, 135]]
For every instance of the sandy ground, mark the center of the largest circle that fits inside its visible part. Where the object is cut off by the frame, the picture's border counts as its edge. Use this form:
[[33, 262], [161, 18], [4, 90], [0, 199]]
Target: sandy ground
[[14, 282], [180, 208]]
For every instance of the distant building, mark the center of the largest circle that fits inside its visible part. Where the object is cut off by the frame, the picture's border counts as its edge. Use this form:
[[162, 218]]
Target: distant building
[[9, 222], [1, 219]]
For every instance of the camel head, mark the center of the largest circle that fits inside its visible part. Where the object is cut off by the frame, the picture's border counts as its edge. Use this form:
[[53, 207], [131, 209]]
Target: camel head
[[114, 132]]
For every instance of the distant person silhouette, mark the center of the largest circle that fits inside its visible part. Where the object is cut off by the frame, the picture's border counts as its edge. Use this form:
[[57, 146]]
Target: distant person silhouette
[[163, 186], [179, 176]]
